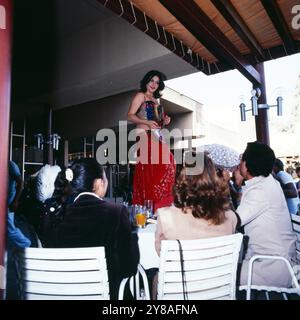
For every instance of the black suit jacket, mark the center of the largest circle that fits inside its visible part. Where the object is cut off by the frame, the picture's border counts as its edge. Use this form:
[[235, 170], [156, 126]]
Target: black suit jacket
[[90, 222]]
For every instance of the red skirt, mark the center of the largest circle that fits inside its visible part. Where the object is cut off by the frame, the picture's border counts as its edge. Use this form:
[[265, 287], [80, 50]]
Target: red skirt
[[154, 174]]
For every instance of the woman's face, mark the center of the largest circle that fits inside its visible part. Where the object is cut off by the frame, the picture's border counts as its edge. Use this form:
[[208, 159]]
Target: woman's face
[[100, 186], [243, 169], [238, 176], [153, 84]]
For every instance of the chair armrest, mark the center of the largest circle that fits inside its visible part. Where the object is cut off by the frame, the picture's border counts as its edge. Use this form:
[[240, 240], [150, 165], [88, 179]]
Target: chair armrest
[[268, 257], [135, 285], [122, 288]]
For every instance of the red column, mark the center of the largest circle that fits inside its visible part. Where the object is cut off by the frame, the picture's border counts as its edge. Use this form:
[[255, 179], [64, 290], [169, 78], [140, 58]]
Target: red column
[[5, 83]]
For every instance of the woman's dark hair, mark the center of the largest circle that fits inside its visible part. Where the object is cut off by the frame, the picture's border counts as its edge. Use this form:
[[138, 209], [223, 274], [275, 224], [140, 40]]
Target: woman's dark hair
[[259, 159], [148, 76], [206, 194], [85, 171]]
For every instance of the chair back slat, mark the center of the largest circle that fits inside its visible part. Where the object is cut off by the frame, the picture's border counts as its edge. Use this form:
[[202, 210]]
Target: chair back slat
[[210, 267], [70, 289], [65, 253], [213, 294], [64, 265], [31, 296], [66, 277], [194, 254], [198, 265], [201, 274]]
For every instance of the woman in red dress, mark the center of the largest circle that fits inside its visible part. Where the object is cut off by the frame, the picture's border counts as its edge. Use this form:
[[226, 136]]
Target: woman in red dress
[[154, 174]]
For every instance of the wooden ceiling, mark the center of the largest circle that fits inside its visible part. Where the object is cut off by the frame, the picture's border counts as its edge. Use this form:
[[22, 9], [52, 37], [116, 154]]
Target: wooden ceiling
[[217, 35]]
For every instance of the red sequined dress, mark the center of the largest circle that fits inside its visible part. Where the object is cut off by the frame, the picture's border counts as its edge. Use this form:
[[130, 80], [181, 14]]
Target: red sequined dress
[[154, 174]]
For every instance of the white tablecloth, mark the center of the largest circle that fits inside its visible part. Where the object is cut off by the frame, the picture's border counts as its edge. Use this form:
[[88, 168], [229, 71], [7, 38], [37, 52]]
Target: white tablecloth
[[148, 256]]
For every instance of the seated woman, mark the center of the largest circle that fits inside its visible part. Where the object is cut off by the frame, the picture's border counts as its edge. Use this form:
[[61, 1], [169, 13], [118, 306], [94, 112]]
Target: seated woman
[[89, 221], [202, 207]]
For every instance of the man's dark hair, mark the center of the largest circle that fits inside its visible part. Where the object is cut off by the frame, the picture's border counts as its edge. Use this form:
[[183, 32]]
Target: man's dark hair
[[279, 164], [298, 169], [259, 159]]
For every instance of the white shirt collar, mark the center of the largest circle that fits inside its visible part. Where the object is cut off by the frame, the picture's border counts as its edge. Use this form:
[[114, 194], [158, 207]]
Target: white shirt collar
[[89, 194]]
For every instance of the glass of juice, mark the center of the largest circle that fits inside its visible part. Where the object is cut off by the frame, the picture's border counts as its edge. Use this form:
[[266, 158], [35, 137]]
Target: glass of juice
[[140, 218]]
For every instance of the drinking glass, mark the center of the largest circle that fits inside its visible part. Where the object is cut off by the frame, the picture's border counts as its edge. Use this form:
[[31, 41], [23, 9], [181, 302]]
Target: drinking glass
[[148, 204], [140, 217]]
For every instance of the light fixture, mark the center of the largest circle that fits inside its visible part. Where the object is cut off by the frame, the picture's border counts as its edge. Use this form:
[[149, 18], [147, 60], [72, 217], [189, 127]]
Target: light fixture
[[255, 94], [53, 140]]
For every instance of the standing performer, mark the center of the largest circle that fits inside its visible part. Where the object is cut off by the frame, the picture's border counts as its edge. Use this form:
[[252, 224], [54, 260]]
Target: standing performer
[[154, 177]]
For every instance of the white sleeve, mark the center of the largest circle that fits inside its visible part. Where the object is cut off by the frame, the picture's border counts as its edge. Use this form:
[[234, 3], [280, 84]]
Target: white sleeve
[[253, 203]]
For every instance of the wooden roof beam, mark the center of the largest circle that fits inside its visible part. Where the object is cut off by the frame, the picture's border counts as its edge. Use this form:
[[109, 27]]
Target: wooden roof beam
[[232, 16], [199, 24], [280, 24], [144, 23]]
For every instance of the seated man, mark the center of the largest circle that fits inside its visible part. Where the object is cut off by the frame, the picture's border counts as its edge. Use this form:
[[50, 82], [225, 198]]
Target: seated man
[[15, 236], [287, 185], [266, 219]]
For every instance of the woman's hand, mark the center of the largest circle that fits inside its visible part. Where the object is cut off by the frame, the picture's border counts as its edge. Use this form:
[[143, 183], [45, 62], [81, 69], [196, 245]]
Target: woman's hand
[[167, 120], [152, 124]]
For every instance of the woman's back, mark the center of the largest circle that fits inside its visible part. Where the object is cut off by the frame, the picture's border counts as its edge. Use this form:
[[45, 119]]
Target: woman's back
[[174, 224]]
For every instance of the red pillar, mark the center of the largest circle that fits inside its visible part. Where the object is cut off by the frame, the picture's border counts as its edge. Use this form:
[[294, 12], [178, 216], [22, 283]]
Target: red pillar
[[5, 83], [262, 121]]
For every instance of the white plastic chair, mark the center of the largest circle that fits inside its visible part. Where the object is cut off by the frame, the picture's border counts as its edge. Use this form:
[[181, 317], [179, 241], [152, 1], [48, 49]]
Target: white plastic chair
[[283, 290], [63, 274], [210, 267], [295, 289], [296, 227], [138, 292]]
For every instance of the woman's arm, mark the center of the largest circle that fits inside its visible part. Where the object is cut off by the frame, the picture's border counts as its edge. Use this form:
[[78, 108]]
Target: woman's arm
[[127, 246], [133, 108], [159, 235]]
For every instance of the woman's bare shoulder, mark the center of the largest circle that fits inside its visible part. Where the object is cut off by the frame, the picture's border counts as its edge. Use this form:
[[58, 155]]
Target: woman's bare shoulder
[[168, 210], [139, 96], [229, 214]]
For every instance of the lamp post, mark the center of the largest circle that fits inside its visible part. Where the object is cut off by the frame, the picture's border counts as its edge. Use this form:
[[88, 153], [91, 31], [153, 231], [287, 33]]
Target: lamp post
[[53, 140], [256, 106], [48, 141]]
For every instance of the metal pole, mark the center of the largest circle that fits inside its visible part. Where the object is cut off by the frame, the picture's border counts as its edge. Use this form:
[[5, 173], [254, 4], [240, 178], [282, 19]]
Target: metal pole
[[48, 147], [6, 8], [261, 120]]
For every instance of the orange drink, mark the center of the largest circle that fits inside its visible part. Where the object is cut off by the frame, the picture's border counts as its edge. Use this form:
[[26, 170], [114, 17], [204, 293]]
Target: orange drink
[[140, 219]]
